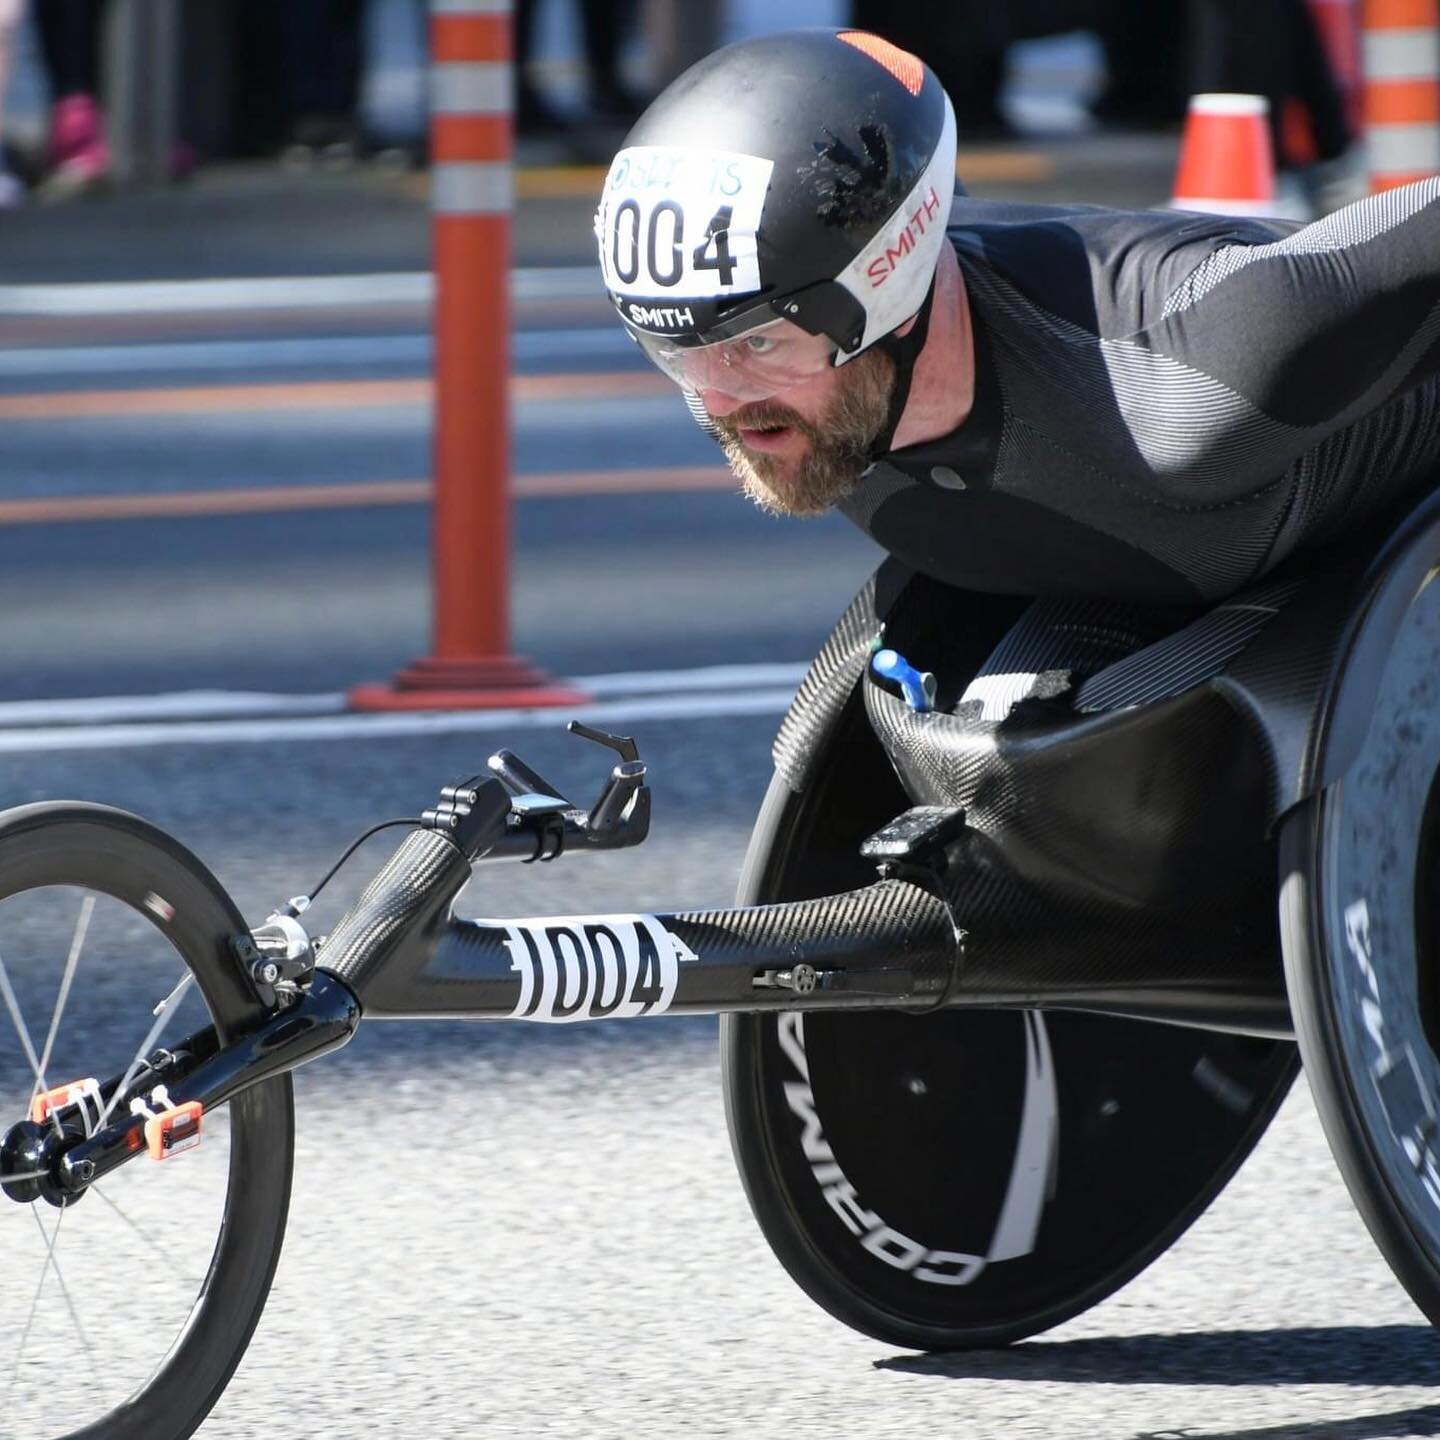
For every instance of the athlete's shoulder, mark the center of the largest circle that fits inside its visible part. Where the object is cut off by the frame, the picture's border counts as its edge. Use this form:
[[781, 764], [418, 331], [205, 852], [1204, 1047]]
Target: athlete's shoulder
[[1106, 270]]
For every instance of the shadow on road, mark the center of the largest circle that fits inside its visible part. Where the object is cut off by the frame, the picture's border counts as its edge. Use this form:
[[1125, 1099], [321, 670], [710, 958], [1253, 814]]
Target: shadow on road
[[1330, 1355], [1411, 1423]]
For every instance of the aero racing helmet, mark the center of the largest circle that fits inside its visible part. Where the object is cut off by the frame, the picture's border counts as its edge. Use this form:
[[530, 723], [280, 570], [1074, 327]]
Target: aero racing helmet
[[779, 209]]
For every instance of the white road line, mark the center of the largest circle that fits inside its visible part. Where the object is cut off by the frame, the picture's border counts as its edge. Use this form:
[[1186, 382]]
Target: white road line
[[179, 705], [704, 677], [294, 292], [328, 353], [182, 705], [656, 709]]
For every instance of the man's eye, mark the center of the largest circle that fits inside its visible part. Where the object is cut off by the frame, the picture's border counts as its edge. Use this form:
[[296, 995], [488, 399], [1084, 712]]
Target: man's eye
[[761, 344]]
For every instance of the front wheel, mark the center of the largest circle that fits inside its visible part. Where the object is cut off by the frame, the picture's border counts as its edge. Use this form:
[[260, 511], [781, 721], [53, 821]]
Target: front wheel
[[126, 1319]]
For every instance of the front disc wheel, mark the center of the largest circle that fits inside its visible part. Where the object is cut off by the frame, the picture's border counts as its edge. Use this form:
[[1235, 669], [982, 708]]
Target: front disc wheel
[[125, 1319]]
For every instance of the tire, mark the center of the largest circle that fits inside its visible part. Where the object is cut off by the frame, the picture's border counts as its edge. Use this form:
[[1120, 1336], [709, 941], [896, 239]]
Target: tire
[[1360, 918], [165, 916]]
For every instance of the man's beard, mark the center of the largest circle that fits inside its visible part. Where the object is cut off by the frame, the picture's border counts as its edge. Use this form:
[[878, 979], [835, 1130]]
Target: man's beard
[[839, 442]]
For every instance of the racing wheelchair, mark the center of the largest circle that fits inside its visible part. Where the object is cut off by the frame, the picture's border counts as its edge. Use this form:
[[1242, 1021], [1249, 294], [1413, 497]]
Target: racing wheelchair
[[1024, 945]]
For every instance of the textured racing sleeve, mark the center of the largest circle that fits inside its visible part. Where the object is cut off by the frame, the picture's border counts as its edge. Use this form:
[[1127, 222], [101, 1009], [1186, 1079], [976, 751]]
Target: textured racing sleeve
[[1265, 349]]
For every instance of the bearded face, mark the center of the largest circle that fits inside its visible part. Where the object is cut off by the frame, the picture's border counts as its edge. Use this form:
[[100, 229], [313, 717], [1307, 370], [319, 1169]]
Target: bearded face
[[789, 463]]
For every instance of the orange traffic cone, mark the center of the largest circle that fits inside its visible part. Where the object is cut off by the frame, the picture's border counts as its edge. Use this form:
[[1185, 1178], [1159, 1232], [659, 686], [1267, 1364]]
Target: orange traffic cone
[[1227, 164]]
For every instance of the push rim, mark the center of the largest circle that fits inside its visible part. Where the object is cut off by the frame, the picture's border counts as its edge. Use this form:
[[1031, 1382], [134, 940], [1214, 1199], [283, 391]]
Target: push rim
[[1358, 912]]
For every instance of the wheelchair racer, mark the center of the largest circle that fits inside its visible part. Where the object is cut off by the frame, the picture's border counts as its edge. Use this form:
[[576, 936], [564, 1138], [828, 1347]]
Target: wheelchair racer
[[1030, 399]]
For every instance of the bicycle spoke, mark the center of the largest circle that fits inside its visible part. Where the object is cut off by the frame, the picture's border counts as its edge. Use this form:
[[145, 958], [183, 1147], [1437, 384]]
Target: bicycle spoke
[[35, 1299], [71, 964], [13, 1005], [165, 1250], [65, 1291], [173, 996], [77, 943], [166, 1010]]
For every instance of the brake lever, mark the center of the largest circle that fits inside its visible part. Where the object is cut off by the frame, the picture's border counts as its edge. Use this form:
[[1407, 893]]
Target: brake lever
[[539, 815], [625, 792]]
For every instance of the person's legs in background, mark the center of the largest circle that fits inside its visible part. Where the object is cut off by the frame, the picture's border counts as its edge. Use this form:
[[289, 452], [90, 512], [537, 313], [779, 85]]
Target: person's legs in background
[[70, 42], [1315, 126], [321, 44], [11, 190], [1144, 79], [603, 23], [534, 114], [1271, 48]]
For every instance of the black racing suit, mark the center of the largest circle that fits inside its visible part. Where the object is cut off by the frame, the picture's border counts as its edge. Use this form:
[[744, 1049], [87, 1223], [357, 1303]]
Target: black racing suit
[[1168, 404]]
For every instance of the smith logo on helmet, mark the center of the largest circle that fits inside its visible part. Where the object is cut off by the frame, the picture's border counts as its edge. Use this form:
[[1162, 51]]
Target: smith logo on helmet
[[660, 317], [916, 223], [681, 222]]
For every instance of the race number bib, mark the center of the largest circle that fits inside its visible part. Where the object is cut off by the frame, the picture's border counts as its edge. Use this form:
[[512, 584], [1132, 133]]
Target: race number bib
[[591, 967], [682, 222]]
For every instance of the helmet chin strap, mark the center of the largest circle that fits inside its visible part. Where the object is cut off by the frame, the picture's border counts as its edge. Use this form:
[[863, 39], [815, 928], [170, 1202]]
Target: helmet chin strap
[[904, 350]]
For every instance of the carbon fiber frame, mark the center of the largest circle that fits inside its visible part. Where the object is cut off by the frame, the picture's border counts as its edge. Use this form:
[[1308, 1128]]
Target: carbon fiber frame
[[1118, 857], [405, 956]]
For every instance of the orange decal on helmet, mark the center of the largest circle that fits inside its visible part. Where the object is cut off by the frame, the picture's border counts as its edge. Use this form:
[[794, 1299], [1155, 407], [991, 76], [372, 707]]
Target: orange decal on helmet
[[904, 66]]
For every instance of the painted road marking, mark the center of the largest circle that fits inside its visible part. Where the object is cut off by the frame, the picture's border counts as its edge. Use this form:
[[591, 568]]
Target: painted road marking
[[312, 395], [657, 709], [187, 504], [287, 292], [353, 352], [254, 704], [178, 705]]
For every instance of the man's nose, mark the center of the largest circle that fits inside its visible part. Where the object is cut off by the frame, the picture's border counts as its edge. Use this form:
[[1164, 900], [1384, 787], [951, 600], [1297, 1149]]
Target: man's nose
[[718, 403]]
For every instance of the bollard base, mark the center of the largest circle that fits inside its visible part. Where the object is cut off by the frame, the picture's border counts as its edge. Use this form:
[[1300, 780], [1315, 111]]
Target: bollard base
[[492, 682]]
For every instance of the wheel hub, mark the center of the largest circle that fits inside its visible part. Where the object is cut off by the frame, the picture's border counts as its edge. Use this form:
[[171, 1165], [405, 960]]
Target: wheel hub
[[30, 1157]]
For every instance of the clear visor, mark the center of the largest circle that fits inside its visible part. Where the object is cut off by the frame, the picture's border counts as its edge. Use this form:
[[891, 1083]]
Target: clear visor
[[753, 366]]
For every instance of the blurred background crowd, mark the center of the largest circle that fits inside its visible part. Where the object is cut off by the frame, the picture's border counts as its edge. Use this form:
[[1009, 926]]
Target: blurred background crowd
[[288, 78]]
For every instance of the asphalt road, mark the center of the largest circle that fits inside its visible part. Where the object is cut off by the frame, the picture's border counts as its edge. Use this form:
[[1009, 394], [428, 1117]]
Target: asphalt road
[[509, 1230], [538, 1231]]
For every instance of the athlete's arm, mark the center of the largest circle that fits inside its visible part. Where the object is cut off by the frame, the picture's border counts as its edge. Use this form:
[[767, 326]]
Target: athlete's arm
[[1313, 331]]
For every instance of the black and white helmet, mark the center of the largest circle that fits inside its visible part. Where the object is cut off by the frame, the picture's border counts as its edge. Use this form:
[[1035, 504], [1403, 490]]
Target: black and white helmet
[[803, 177]]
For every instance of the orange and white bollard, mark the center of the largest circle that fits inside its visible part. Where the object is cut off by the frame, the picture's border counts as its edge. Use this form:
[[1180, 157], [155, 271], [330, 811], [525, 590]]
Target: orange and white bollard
[[1401, 98], [471, 200]]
